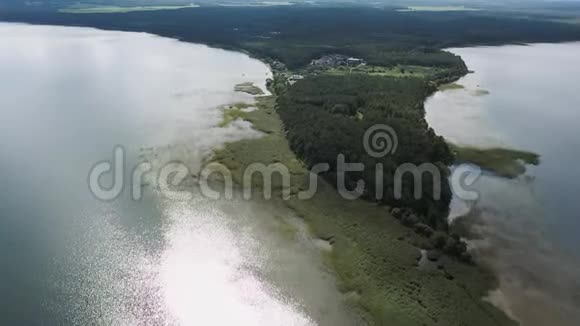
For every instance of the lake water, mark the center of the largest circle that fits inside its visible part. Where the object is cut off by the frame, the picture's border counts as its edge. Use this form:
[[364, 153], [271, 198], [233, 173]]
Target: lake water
[[523, 97], [68, 96]]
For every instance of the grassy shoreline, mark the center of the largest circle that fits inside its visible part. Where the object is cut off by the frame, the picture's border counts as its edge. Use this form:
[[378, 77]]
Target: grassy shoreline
[[507, 163], [450, 86], [248, 88], [374, 257]]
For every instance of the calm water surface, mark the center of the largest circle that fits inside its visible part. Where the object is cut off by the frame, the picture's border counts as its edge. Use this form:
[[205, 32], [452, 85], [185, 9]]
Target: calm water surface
[[524, 97], [68, 96]]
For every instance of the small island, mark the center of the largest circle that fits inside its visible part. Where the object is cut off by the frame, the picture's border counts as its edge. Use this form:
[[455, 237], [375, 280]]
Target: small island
[[450, 86], [248, 87], [508, 163]]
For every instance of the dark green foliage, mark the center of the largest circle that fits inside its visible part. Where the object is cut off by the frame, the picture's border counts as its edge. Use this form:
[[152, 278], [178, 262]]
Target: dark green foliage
[[423, 229], [321, 118], [296, 35], [439, 239]]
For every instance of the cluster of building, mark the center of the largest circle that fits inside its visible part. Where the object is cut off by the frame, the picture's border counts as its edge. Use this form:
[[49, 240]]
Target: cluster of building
[[277, 65], [318, 65], [294, 78], [336, 60]]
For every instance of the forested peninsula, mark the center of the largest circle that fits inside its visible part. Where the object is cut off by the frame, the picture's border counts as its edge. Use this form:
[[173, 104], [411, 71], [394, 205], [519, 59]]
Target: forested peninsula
[[400, 57]]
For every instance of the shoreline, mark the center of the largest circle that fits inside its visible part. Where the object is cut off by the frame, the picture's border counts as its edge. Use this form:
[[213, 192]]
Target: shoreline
[[353, 233], [510, 217], [502, 162]]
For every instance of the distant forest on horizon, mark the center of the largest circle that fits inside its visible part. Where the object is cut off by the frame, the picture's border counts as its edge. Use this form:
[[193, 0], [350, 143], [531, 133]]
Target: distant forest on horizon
[[295, 35]]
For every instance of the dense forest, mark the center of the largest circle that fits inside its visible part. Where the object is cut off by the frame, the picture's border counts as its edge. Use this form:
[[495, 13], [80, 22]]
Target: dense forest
[[295, 35], [327, 115]]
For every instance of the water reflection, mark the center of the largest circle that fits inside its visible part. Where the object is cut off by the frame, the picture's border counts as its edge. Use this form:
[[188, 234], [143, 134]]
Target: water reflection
[[528, 225], [68, 96]]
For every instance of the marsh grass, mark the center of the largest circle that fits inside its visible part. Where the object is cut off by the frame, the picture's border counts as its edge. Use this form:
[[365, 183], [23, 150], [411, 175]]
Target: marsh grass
[[480, 92], [373, 255], [248, 88], [233, 112], [508, 163], [450, 86]]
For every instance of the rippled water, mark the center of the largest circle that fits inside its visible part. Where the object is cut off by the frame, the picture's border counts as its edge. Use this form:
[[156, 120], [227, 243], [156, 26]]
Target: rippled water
[[524, 97], [68, 96]]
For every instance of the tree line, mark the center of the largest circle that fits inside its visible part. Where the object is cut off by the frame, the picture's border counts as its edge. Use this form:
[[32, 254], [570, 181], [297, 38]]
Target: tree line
[[328, 115], [296, 35]]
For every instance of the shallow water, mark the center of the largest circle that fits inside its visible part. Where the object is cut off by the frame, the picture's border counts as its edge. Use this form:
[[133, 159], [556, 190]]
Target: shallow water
[[68, 96], [523, 97]]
